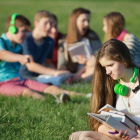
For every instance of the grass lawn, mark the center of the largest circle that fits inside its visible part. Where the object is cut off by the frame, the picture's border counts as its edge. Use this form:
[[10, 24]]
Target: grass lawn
[[28, 119]]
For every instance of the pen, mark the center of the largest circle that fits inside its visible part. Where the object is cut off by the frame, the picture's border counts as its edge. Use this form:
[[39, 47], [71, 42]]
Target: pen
[[117, 133], [113, 132]]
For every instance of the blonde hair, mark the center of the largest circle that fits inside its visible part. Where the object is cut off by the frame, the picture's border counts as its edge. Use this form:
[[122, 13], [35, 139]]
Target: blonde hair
[[115, 25], [42, 14]]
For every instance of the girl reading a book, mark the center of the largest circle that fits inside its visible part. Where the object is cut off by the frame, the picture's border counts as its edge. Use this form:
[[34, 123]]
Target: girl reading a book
[[114, 27], [79, 31], [115, 82]]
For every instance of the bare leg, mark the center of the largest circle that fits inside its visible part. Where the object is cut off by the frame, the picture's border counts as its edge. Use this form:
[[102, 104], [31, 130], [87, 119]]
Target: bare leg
[[88, 135], [56, 90], [30, 93]]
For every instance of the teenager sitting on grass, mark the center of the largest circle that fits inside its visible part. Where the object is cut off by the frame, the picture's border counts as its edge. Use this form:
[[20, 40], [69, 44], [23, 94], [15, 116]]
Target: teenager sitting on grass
[[79, 31], [40, 46], [58, 39], [113, 66], [11, 84], [114, 27]]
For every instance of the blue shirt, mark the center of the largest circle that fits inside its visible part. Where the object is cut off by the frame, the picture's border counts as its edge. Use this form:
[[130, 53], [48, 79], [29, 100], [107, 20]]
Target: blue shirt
[[9, 70], [39, 53]]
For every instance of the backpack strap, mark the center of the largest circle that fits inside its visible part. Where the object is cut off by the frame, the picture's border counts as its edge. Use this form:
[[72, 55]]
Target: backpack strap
[[5, 45]]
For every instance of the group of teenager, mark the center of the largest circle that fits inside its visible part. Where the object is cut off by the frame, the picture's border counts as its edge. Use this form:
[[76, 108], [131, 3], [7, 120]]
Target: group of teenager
[[25, 54]]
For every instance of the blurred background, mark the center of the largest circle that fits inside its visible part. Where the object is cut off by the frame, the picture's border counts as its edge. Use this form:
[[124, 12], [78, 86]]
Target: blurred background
[[62, 8]]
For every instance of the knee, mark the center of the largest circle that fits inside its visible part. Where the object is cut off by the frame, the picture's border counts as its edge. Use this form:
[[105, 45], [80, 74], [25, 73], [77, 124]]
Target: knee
[[51, 89], [76, 136], [30, 93], [82, 135], [26, 91]]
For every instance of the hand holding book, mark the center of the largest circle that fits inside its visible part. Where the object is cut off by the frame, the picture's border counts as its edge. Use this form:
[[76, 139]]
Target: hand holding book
[[81, 59], [119, 135], [115, 119], [138, 136], [77, 49]]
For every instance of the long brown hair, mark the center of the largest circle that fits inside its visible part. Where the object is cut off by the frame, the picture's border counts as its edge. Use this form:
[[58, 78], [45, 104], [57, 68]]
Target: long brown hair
[[115, 25], [103, 84], [73, 35]]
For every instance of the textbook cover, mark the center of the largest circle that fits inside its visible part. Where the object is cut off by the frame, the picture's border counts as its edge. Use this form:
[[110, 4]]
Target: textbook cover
[[113, 118], [78, 48]]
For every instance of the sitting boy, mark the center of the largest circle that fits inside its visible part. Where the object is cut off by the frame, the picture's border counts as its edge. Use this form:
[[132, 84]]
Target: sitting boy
[[40, 46], [11, 84]]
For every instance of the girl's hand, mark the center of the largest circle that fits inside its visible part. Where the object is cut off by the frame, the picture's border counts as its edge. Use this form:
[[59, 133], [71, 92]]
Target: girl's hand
[[138, 136], [118, 135], [81, 59], [138, 131], [91, 62]]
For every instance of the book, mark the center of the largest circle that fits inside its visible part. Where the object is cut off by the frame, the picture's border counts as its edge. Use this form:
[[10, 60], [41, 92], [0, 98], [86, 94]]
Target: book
[[79, 48], [54, 80], [113, 118]]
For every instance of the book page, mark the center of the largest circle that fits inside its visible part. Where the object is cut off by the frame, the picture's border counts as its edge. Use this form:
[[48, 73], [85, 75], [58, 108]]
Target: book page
[[108, 108], [102, 119], [100, 116]]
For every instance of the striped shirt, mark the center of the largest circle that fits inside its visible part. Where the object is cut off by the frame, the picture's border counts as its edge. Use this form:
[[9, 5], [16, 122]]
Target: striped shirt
[[134, 47]]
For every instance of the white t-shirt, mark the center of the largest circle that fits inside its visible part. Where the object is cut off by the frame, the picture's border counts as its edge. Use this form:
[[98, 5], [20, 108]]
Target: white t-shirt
[[134, 109]]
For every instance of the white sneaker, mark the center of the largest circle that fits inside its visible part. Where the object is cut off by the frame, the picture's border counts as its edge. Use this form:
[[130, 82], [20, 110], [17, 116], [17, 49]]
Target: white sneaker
[[88, 95]]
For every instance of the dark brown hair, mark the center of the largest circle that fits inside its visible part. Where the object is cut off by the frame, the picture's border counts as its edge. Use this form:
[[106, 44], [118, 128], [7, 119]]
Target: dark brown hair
[[73, 35], [20, 21], [54, 17], [72, 31], [103, 84]]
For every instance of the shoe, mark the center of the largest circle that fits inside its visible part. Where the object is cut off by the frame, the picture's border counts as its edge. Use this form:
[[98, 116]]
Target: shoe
[[64, 98], [88, 95]]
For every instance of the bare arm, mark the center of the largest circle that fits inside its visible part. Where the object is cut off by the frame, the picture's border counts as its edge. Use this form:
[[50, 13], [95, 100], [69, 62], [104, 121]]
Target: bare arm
[[12, 57], [40, 69], [48, 63]]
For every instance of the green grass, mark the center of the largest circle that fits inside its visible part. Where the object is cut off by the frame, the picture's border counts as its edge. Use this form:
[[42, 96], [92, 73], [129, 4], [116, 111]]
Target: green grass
[[25, 118]]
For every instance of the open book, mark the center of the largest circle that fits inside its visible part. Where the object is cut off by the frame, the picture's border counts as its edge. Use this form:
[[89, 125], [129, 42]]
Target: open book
[[113, 118], [77, 49]]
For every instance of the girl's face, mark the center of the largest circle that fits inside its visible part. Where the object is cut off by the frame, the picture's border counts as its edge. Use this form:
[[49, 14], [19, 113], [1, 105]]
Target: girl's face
[[104, 25], [54, 31], [83, 23], [113, 68]]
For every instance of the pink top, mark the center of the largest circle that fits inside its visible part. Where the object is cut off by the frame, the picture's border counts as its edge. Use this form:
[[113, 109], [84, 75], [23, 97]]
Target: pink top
[[122, 34]]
